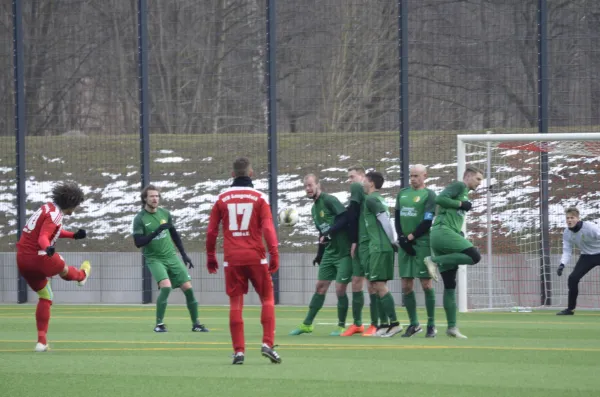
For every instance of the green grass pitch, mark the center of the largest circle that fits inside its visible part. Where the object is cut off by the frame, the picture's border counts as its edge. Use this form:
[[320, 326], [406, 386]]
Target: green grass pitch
[[112, 351]]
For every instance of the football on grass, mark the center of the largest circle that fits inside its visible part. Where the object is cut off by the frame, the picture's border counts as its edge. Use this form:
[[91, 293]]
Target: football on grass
[[288, 217]]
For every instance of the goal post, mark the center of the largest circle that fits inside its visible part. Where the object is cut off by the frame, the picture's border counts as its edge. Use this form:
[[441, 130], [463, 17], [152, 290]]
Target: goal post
[[506, 220]]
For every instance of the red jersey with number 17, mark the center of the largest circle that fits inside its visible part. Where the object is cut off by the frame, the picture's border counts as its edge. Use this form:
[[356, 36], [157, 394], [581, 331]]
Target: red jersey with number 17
[[43, 228], [246, 217]]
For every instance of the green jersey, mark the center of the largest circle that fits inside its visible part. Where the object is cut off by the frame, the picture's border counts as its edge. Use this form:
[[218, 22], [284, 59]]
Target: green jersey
[[415, 206], [378, 240], [145, 223], [357, 194], [449, 201], [324, 211]]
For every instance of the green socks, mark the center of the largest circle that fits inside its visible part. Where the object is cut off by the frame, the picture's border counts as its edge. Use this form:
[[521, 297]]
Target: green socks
[[358, 302], [450, 306], [430, 306], [373, 307], [192, 305], [161, 304], [389, 307], [316, 303], [410, 301], [383, 318], [342, 309]]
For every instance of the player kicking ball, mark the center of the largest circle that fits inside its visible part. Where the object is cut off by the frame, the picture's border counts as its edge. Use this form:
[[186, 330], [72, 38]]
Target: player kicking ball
[[154, 231], [246, 217], [37, 259], [448, 244]]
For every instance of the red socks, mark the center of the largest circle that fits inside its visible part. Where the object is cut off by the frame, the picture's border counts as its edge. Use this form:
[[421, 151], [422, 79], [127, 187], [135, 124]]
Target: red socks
[[236, 323], [42, 318], [74, 274], [267, 319]]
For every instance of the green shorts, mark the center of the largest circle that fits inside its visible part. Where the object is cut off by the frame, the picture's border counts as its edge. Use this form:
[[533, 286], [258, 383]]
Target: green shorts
[[338, 269], [381, 266], [169, 268], [446, 241], [414, 266], [360, 262]]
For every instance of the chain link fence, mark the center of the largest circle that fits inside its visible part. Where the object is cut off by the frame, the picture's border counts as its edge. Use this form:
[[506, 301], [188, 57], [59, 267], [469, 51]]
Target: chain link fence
[[472, 67]]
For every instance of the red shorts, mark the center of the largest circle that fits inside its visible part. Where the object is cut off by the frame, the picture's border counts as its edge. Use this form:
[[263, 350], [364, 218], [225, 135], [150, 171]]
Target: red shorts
[[236, 280], [35, 269]]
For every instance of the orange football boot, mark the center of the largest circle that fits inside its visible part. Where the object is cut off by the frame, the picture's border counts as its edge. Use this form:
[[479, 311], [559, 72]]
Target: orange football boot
[[370, 331], [353, 329]]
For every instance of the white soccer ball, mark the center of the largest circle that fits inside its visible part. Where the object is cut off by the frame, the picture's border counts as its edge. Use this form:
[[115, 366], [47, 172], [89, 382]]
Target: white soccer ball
[[288, 217]]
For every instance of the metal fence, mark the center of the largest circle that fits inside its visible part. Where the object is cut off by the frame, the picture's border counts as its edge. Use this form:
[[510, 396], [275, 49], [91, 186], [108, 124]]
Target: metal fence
[[116, 94]]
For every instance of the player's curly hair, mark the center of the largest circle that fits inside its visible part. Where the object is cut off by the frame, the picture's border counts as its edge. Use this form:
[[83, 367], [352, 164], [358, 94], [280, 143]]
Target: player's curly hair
[[67, 195]]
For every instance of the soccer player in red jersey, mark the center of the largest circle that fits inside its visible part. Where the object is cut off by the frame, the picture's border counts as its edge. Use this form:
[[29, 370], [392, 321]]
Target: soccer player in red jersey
[[37, 259], [246, 217]]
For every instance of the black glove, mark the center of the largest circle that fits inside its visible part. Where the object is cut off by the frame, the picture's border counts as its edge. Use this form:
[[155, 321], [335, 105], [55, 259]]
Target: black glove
[[321, 251], [406, 245], [465, 205], [186, 259], [163, 226], [50, 250], [560, 269], [317, 260], [79, 234]]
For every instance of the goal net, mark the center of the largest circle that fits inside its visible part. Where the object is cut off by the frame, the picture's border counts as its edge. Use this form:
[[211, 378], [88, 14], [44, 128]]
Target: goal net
[[518, 217]]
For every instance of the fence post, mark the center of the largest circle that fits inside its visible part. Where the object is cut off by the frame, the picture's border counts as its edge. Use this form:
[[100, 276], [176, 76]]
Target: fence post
[[20, 129], [144, 121], [542, 41], [272, 121], [403, 65], [403, 91]]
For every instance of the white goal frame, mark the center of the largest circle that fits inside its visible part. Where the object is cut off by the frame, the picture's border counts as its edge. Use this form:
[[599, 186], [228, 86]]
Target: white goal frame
[[462, 141]]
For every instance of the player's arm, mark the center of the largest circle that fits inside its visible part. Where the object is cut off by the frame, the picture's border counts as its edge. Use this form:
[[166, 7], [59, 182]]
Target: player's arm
[[566, 253], [79, 234], [447, 198], [353, 214], [341, 215], [397, 223], [140, 239], [270, 236], [211, 239], [178, 243], [47, 228], [428, 213], [376, 207], [353, 211]]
